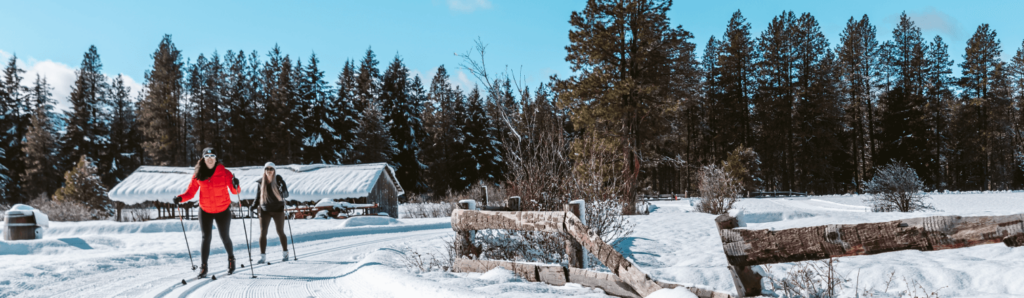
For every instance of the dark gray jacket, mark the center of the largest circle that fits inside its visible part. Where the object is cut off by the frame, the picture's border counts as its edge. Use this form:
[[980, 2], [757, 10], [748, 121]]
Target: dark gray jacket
[[281, 187]]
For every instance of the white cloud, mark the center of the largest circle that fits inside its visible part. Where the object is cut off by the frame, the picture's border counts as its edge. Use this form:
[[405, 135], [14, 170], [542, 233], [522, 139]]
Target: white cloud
[[468, 5], [933, 20], [60, 76], [459, 79]]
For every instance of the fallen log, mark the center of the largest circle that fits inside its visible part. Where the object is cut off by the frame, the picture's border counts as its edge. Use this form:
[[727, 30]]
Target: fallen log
[[755, 247], [542, 221]]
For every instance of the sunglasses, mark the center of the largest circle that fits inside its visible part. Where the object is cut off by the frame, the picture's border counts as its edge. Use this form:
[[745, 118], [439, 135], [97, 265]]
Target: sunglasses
[[209, 155], [270, 169]]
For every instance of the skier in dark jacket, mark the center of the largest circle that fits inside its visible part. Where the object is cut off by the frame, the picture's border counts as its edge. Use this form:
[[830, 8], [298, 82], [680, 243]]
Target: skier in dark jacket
[[271, 195], [213, 182]]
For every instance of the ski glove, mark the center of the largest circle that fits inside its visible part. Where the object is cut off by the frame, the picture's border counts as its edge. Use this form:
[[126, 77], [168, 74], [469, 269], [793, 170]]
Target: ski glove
[[177, 199], [234, 181]]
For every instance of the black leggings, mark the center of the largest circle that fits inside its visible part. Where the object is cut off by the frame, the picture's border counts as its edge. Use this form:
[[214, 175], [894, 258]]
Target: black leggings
[[278, 218], [223, 220]]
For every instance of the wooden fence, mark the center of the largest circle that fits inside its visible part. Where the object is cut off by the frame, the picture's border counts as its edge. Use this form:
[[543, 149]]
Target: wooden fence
[[625, 280], [745, 248]]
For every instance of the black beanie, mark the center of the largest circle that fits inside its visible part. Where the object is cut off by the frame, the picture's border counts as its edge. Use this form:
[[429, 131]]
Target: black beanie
[[208, 150]]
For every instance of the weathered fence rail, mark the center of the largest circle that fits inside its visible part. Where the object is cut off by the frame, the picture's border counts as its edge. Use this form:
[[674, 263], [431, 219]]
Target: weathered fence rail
[[745, 248], [628, 281]]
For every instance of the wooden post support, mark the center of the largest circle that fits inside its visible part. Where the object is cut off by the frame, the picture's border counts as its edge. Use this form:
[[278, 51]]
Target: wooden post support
[[747, 282], [576, 252], [485, 196]]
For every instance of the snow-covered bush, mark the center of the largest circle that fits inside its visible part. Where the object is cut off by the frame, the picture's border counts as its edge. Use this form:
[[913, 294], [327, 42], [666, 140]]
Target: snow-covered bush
[[61, 210], [718, 190], [896, 187]]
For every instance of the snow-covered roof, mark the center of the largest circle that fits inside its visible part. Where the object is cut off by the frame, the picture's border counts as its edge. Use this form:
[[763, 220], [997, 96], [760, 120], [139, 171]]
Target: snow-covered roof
[[305, 182]]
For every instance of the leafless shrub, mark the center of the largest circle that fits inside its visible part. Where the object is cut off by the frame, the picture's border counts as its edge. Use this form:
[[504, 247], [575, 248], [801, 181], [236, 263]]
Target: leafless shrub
[[811, 279], [718, 191], [896, 187], [137, 213], [66, 210], [428, 261]]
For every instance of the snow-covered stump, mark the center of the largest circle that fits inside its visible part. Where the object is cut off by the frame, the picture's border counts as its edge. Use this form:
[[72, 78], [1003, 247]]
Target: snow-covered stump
[[745, 248]]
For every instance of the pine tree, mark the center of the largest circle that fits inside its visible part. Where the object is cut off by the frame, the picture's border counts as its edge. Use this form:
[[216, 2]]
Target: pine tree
[[160, 112], [486, 162], [939, 97], [240, 94], [402, 98], [775, 100], [12, 128], [124, 134], [319, 115], [347, 121], [444, 150], [620, 91], [204, 82], [83, 185], [858, 56], [373, 141], [88, 120], [903, 130], [980, 132], [368, 81], [736, 60], [41, 173], [280, 127]]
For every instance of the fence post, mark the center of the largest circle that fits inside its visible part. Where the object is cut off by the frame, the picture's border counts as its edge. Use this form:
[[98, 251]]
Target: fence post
[[747, 282], [577, 253], [465, 238], [485, 197], [515, 203]]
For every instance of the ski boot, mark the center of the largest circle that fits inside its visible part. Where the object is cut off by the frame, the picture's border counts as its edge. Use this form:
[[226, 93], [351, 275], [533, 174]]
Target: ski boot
[[263, 259], [202, 271], [231, 265], [285, 253]]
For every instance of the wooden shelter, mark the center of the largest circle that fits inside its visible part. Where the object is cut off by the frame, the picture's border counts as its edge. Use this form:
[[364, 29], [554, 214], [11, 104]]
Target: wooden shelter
[[357, 183]]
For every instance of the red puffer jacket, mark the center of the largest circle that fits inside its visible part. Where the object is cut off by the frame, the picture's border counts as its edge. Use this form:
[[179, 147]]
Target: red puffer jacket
[[213, 192]]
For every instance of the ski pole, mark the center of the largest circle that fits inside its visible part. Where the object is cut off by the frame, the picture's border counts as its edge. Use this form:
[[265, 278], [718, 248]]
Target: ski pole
[[246, 232], [290, 235], [186, 237]]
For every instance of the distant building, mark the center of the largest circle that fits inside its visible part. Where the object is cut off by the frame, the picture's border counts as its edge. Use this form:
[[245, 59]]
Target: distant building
[[359, 183]]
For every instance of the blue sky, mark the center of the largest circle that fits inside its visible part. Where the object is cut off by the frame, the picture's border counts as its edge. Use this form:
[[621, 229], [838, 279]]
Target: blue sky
[[50, 36]]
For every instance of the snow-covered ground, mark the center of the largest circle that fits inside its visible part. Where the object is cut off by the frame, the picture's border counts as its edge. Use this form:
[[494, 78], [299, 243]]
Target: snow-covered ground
[[363, 259]]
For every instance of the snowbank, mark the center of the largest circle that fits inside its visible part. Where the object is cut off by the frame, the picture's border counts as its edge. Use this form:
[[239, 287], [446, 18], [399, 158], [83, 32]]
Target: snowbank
[[677, 245], [358, 221]]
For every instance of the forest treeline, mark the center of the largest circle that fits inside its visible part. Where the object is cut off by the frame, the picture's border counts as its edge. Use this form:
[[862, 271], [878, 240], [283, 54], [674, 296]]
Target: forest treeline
[[810, 114]]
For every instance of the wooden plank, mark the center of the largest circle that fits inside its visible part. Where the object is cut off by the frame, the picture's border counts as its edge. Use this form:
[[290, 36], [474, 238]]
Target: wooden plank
[[543, 221], [626, 270], [755, 247]]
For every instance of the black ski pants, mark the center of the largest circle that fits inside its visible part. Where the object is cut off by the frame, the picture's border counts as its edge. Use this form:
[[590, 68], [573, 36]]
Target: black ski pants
[[223, 220], [278, 218]]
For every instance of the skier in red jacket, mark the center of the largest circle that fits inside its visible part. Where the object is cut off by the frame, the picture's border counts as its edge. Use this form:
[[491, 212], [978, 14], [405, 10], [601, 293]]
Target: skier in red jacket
[[213, 182]]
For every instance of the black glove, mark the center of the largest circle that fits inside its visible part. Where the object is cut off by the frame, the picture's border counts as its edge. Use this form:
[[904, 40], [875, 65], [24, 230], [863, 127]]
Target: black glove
[[177, 199], [234, 181]]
